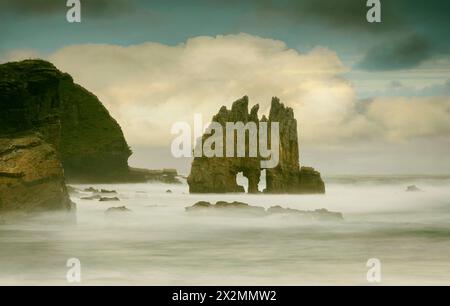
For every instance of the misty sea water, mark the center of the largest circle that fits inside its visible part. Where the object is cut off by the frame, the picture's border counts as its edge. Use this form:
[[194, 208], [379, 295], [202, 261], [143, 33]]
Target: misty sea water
[[158, 243]]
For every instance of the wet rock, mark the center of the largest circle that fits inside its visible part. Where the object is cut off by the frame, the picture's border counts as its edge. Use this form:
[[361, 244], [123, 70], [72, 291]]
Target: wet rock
[[413, 188], [199, 205], [168, 191], [91, 198], [105, 199], [318, 214], [226, 207], [218, 174], [243, 209], [91, 189], [115, 210], [168, 176], [108, 191]]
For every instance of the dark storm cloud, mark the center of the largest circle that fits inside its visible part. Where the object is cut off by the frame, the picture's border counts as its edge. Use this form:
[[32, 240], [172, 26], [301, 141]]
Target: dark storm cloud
[[403, 54], [411, 31], [350, 14], [95, 8]]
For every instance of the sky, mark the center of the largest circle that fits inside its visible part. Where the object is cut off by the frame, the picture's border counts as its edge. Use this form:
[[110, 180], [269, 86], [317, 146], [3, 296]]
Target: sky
[[370, 98]]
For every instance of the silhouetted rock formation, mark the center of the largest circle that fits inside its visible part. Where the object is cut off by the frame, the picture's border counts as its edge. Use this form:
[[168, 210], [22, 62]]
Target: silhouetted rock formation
[[34, 95], [218, 174], [31, 175]]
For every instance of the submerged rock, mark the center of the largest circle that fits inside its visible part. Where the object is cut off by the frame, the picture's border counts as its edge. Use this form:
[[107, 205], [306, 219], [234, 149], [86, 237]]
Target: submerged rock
[[94, 197], [318, 214], [105, 199], [168, 176], [108, 191], [412, 188], [221, 206], [240, 208], [114, 210], [91, 189], [168, 191], [218, 174]]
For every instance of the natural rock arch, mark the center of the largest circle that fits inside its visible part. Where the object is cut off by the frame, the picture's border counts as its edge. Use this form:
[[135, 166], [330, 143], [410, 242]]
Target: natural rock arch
[[218, 174]]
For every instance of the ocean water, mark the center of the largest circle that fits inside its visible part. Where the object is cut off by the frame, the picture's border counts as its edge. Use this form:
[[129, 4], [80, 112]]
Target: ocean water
[[158, 243]]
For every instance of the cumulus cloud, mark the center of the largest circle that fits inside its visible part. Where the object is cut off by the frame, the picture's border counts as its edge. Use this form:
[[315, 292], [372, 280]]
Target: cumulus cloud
[[402, 118], [150, 86], [19, 54]]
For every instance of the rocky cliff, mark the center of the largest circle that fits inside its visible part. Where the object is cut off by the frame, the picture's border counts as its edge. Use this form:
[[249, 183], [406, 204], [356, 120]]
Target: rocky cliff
[[34, 95], [47, 124], [218, 174], [31, 175]]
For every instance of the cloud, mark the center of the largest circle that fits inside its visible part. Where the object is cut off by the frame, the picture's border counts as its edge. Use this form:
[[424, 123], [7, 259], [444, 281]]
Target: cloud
[[150, 86], [19, 54], [92, 8], [343, 14], [402, 54], [402, 118]]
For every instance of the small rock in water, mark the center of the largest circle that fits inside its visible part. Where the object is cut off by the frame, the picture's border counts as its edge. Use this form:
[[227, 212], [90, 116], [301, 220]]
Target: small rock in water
[[412, 188], [168, 191], [120, 209], [94, 197], [91, 189], [104, 199], [245, 209], [108, 191]]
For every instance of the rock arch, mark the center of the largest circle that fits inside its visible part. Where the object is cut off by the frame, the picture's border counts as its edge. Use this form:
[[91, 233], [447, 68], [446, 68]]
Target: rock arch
[[218, 174]]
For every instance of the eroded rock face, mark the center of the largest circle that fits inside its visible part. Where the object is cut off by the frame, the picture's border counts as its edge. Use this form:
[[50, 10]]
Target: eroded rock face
[[218, 174], [31, 175], [34, 95]]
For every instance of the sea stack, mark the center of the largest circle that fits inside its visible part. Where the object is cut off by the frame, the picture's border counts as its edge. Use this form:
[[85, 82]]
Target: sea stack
[[218, 174]]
